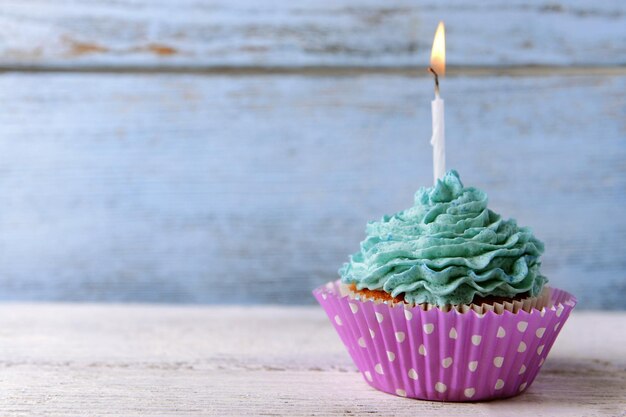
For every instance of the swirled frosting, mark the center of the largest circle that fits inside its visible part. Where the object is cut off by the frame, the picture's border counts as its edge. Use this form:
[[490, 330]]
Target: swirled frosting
[[447, 249]]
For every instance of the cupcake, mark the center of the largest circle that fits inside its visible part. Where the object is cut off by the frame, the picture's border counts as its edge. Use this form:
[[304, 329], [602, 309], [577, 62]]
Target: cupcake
[[446, 301]]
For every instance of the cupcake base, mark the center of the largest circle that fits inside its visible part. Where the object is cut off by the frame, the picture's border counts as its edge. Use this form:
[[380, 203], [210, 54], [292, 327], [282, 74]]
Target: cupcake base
[[445, 355], [479, 305]]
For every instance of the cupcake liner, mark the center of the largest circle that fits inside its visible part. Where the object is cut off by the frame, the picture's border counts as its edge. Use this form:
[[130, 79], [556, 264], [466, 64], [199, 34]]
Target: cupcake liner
[[445, 355]]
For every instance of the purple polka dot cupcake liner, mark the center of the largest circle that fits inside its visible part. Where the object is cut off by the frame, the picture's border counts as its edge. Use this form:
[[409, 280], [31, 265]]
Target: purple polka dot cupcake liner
[[445, 355]]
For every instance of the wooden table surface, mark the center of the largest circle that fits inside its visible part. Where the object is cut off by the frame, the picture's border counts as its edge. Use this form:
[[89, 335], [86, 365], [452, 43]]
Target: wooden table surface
[[149, 360]]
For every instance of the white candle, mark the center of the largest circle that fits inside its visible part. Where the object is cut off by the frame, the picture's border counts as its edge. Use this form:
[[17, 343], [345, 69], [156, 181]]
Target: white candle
[[438, 140], [438, 68]]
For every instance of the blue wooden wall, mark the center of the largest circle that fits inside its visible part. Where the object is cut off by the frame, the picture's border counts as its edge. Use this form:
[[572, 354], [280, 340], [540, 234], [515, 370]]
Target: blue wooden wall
[[232, 152]]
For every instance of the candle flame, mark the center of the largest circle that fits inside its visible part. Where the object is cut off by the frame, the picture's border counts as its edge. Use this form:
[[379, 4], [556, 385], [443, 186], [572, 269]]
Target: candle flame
[[438, 53]]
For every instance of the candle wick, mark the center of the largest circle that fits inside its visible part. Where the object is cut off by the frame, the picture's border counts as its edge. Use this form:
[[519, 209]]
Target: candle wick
[[436, 81]]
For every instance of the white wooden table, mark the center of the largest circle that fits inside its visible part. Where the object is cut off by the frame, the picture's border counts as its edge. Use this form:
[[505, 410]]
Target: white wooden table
[[131, 360]]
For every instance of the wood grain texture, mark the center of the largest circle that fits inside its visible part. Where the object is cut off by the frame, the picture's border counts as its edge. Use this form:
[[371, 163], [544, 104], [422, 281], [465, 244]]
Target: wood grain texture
[[210, 33], [255, 189], [62, 360]]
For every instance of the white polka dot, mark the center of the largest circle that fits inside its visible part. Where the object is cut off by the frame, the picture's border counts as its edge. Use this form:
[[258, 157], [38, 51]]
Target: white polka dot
[[522, 370], [361, 342], [522, 325], [422, 350], [498, 361], [428, 328], [476, 339], [353, 307], [570, 303], [542, 312], [522, 387], [453, 334], [446, 362], [372, 333], [441, 387], [413, 374], [540, 331], [408, 315], [324, 296], [469, 392], [379, 369], [473, 365], [400, 337], [499, 384], [556, 326], [540, 349], [368, 375], [541, 361], [559, 311], [379, 317], [391, 356], [522, 347], [501, 332], [338, 320], [401, 392]]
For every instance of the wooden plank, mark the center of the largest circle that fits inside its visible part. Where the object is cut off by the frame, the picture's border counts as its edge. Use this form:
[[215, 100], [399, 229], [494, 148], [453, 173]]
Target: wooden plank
[[256, 189], [192, 33], [67, 360]]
